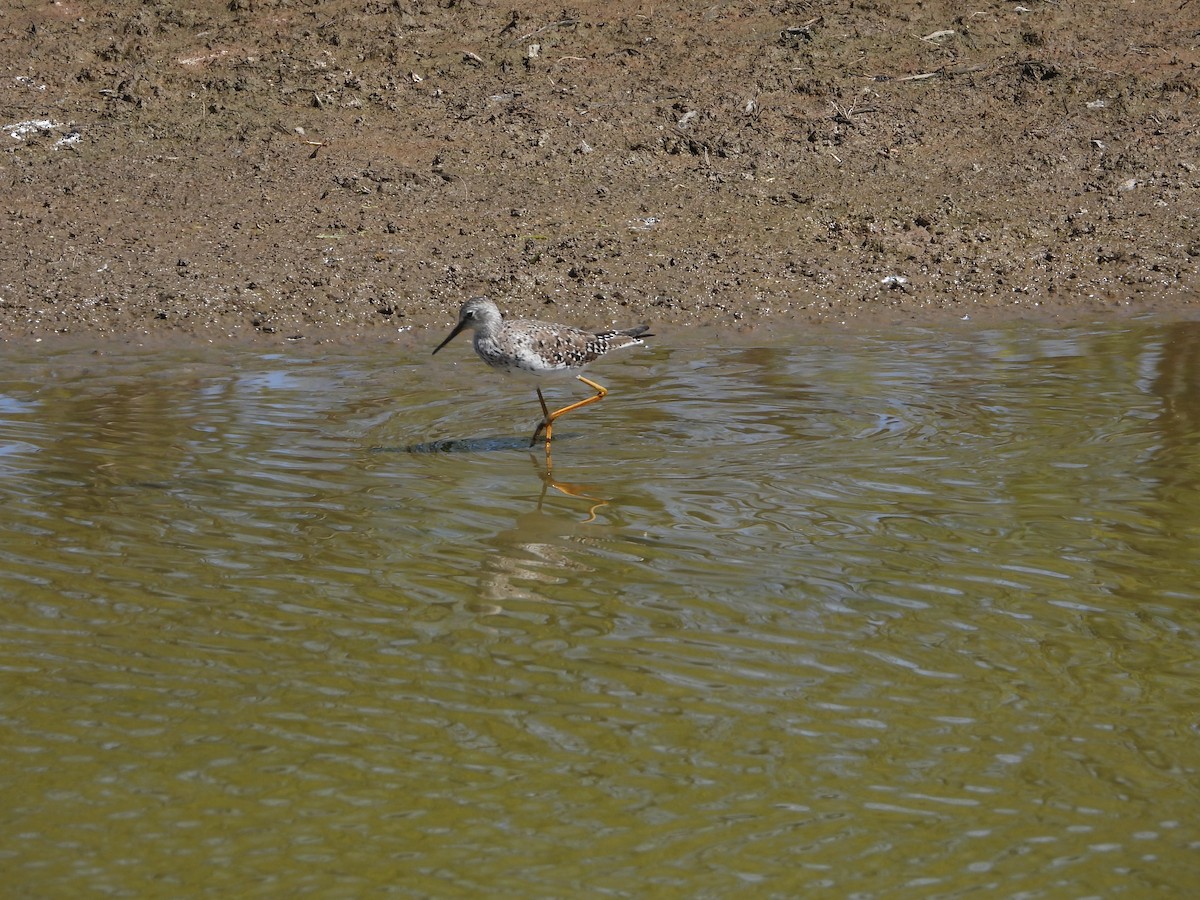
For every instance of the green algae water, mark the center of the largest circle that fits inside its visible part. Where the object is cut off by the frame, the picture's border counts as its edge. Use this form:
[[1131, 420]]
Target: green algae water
[[876, 614]]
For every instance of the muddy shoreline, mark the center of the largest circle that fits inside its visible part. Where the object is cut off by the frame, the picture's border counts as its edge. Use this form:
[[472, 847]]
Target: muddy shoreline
[[282, 171]]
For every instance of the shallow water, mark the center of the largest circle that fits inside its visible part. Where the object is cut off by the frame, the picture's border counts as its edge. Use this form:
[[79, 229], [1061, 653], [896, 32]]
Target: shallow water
[[903, 611]]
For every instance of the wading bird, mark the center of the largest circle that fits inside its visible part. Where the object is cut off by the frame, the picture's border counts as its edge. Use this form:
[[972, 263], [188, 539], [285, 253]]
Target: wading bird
[[538, 350]]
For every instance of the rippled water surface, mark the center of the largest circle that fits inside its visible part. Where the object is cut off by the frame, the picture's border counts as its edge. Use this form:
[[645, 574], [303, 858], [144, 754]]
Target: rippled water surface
[[906, 611]]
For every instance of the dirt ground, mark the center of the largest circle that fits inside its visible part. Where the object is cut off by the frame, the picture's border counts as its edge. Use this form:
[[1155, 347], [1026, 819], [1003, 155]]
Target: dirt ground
[[354, 169]]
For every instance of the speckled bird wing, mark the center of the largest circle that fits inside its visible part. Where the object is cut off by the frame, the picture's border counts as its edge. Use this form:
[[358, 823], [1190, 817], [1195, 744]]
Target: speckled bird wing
[[547, 347]]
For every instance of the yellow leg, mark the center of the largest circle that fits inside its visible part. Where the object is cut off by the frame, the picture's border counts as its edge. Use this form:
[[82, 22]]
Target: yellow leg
[[542, 424], [568, 489], [548, 417]]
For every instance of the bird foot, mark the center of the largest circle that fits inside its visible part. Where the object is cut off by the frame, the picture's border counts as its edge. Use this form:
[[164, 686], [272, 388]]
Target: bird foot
[[537, 432]]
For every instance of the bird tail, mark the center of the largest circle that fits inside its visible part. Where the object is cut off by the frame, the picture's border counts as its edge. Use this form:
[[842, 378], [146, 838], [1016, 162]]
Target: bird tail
[[637, 331]]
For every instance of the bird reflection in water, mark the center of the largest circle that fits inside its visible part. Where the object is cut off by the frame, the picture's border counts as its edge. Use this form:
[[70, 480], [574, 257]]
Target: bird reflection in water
[[567, 488]]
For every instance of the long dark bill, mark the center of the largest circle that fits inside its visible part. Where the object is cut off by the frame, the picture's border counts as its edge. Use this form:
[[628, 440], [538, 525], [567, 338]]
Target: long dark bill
[[457, 328]]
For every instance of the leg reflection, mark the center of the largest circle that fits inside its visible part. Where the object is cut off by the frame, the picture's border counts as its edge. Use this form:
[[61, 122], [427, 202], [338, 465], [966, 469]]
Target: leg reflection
[[566, 488]]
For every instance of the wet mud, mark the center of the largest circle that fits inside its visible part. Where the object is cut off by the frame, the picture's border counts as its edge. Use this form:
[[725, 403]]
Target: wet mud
[[285, 170]]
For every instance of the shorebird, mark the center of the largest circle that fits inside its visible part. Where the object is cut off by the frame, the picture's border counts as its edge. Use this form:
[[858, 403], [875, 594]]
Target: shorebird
[[536, 350]]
